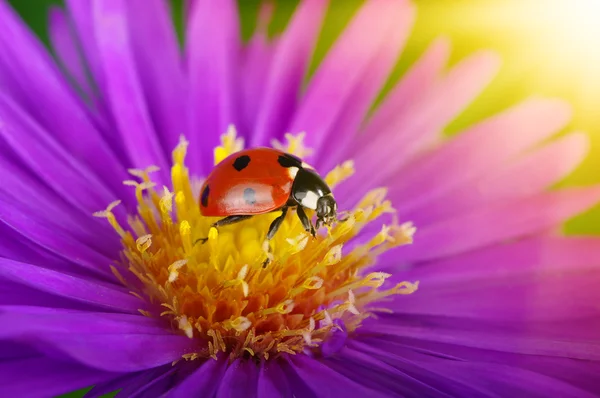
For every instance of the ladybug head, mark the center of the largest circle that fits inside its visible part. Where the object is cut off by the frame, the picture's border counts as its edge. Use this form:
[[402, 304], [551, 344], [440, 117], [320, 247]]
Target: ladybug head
[[326, 210]]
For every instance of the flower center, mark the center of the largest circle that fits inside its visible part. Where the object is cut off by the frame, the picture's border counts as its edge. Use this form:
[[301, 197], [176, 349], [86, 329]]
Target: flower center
[[220, 293]]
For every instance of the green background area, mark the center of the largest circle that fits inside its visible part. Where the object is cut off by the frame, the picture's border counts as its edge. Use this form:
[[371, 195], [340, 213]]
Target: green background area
[[469, 31]]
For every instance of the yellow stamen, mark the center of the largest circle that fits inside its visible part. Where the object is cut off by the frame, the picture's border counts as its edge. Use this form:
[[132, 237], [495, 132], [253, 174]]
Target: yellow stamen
[[219, 291]]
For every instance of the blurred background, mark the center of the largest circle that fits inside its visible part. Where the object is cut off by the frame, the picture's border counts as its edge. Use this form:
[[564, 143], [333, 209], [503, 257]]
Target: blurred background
[[549, 48]]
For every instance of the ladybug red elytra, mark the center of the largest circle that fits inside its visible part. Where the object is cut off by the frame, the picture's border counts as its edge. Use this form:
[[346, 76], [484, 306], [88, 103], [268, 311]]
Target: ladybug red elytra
[[261, 180]]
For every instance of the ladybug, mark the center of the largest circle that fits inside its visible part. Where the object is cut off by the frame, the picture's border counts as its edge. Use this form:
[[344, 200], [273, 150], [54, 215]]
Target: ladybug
[[263, 180]]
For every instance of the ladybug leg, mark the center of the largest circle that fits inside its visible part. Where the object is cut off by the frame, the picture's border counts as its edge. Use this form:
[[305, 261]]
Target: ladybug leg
[[225, 221], [273, 228], [231, 220], [276, 223], [306, 223]]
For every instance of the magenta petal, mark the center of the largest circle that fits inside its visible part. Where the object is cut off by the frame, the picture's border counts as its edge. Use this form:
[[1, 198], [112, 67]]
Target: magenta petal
[[110, 297], [549, 279], [272, 382], [414, 86], [345, 85], [412, 131], [240, 380], [123, 86], [490, 224], [45, 377], [213, 48], [159, 67], [204, 381], [529, 174], [66, 48], [287, 70]]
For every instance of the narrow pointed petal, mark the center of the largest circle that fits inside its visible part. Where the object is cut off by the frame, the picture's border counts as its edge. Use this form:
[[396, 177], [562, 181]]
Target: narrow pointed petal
[[325, 382], [240, 380], [480, 149], [205, 380], [108, 296], [414, 130], [213, 51], [272, 382], [548, 282], [123, 87], [412, 88], [159, 68], [66, 48], [346, 83], [42, 377], [529, 174], [50, 100], [287, 71], [491, 224]]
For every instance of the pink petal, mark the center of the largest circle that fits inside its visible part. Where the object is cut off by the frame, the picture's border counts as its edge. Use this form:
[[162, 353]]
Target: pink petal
[[529, 174], [496, 223]]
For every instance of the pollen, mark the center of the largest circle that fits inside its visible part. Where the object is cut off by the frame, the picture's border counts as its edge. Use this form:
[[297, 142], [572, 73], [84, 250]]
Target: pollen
[[219, 293]]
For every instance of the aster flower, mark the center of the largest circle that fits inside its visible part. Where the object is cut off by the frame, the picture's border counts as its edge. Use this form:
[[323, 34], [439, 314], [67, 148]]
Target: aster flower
[[490, 300]]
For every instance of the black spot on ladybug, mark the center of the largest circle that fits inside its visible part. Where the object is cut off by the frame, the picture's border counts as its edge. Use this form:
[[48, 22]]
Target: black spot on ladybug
[[288, 160], [250, 196], [241, 162], [204, 197]]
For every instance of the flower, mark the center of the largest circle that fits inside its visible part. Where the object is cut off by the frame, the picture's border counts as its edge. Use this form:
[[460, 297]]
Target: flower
[[505, 305]]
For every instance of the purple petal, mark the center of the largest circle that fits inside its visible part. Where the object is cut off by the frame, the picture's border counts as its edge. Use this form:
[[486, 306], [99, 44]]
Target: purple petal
[[325, 382], [514, 337], [272, 381], [204, 381], [51, 101], [81, 16], [108, 296], [240, 380], [118, 352], [378, 375], [470, 378], [50, 161], [56, 242], [483, 147], [540, 279], [213, 49], [44, 377], [497, 223], [525, 176], [66, 48], [123, 86], [159, 67], [287, 70], [354, 71], [50, 211]]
